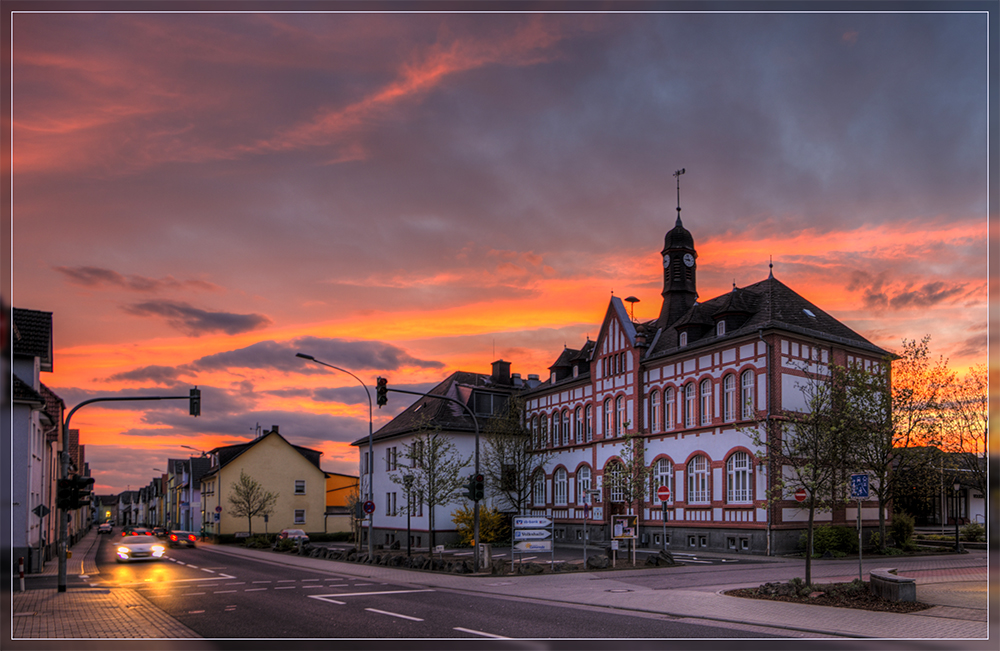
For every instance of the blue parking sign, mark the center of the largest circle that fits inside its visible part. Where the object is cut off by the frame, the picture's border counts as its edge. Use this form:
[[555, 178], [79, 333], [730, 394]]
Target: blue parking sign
[[859, 486]]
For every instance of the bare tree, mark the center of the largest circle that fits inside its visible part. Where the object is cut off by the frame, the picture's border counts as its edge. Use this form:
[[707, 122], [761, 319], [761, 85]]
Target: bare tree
[[964, 418], [435, 472], [811, 448], [509, 461], [248, 499], [631, 479]]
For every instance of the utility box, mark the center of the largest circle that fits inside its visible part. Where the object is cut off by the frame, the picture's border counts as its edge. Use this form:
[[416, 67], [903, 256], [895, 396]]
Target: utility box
[[485, 555]]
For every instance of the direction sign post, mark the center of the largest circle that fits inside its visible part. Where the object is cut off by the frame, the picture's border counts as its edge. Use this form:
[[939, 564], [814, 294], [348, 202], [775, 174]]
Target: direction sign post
[[530, 534], [663, 492], [859, 490]]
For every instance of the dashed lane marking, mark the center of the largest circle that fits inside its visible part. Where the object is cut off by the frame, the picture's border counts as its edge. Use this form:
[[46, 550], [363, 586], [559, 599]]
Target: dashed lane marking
[[254, 589], [386, 612], [223, 591], [474, 632]]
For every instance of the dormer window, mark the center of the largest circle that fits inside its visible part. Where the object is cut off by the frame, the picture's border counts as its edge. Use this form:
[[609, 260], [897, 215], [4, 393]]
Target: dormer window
[[720, 328], [684, 339]]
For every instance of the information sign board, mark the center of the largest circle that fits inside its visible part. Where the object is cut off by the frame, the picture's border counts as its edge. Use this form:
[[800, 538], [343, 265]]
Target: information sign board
[[522, 521], [534, 546], [624, 526], [859, 486], [531, 534]]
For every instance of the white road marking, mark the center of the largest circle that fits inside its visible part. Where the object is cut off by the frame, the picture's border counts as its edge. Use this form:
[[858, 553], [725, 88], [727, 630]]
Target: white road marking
[[254, 589], [304, 580], [261, 581], [336, 585], [386, 612], [285, 587], [191, 594], [469, 630], [364, 584], [205, 569], [463, 553], [326, 598], [309, 587], [223, 591], [195, 612], [286, 580], [238, 583], [364, 594]]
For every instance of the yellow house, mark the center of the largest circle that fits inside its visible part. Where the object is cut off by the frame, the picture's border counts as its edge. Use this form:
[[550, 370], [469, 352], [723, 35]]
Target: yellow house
[[289, 471], [339, 490]]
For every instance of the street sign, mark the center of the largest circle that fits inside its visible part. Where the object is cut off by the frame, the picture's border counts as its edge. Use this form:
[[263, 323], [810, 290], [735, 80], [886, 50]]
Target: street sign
[[663, 493], [41, 510], [369, 507], [525, 521], [859, 486], [534, 546], [216, 517], [531, 534], [800, 495], [218, 509]]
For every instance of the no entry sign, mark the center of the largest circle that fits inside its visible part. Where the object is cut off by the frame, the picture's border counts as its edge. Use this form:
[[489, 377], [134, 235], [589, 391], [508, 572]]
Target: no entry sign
[[663, 493], [800, 495]]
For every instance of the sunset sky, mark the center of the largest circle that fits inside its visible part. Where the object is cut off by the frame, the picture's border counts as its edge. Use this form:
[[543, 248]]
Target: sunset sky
[[197, 197]]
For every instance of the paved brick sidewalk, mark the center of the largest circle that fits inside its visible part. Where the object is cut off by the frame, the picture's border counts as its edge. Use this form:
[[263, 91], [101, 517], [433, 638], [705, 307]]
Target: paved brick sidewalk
[[89, 613]]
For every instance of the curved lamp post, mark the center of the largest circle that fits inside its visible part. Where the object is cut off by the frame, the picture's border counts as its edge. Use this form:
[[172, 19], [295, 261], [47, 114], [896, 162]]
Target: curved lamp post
[[371, 458]]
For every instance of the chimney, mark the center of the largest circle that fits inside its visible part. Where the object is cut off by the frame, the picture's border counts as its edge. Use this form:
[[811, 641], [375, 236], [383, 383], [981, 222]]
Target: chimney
[[501, 372], [516, 379], [533, 380], [274, 428]]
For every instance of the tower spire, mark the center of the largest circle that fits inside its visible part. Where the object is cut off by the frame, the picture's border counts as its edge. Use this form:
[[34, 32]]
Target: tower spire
[[677, 175]]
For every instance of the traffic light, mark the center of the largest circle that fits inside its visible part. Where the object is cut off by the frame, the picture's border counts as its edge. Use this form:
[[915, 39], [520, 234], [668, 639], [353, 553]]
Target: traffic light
[[82, 489], [478, 487], [381, 391], [470, 488], [65, 494], [195, 401]]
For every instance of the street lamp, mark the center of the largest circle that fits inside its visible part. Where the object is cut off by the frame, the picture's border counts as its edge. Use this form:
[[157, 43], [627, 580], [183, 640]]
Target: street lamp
[[958, 546], [371, 457]]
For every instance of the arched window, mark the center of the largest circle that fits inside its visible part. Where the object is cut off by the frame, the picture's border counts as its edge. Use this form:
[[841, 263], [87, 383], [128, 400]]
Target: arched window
[[555, 428], [669, 415], [538, 489], [583, 485], [559, 486], [747, 394], [614, 476], [609, 419], [578, 425], [544, 419], [590, 423], [565, 427], [697, 480], [663, 475], [738, 478], [720, 328], [535, 442], [706, 402], [654, 411], [620, 408], [684, 339], [690, 405], [729, 395]]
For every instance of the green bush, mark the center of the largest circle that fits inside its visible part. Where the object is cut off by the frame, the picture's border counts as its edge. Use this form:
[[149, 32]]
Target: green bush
[[494, 527], [259, 541], [901, 529], [285, 545], [833, 539], [973, 532]]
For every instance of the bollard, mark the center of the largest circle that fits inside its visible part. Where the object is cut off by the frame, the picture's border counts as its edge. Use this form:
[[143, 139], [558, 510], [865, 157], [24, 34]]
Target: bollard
[[20, 571]]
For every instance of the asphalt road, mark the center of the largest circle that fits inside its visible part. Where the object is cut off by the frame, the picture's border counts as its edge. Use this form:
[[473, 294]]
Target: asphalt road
[[225, 597]]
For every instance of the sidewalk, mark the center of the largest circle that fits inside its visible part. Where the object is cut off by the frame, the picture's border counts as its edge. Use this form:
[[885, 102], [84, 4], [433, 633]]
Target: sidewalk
[[959, 620], [88, 613]]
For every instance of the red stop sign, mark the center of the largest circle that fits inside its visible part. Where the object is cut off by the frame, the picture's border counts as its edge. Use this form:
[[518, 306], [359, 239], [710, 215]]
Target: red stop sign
[[663, 493], [800, 495]]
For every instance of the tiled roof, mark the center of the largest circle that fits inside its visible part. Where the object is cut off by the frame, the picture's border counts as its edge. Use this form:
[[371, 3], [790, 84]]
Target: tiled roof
[[21, 391], [32, 335], [227, 453], [54, 407], [768, 304], [432, 412]]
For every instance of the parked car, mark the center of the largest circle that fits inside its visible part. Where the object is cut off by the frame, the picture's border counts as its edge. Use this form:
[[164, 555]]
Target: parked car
[[159, 532], [293, 534], [139, 548], [136, 531], [178, 538], [104, 527]]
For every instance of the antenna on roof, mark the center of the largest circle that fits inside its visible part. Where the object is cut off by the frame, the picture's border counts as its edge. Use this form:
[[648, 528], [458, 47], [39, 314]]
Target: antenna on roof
[[770, 267]]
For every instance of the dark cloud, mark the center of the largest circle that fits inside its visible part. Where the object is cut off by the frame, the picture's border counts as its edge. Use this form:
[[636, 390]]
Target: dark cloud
[[195, 321], [153, 373], [926, 296], [878, 292], [96, 277], [353, 355], [356, 396], [974, 346]]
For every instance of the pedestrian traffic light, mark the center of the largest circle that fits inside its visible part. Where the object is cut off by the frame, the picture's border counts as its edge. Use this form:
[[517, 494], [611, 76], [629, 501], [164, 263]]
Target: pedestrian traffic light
[[381, 391], [195, 401], [470, 488], [478, 487], [65, 494], [83, 487]]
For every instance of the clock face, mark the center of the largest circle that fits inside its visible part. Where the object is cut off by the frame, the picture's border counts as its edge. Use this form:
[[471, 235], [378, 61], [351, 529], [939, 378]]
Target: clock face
[[666, 261], [689, 259]]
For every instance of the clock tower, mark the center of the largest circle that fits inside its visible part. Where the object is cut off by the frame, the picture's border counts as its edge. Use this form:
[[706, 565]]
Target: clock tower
[[680, 264]]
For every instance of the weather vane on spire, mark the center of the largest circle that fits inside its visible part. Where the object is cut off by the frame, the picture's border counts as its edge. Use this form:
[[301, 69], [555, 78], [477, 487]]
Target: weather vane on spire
[[677, 175]]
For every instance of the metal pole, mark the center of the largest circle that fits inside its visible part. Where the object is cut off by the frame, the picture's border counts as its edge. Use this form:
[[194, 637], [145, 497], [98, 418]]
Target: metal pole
[[860, 574]]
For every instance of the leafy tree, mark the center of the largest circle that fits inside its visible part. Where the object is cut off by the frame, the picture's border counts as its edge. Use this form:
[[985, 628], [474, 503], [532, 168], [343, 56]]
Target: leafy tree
[[964, 419], [494, 526], [509, 461], [248, 499], [811, 447], [435, 471]]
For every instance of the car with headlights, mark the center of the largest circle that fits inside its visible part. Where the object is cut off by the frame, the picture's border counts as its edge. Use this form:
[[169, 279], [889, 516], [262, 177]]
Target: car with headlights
[[179, 538], [159, 532], [139, 548], [104, 527], [136, 531]]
